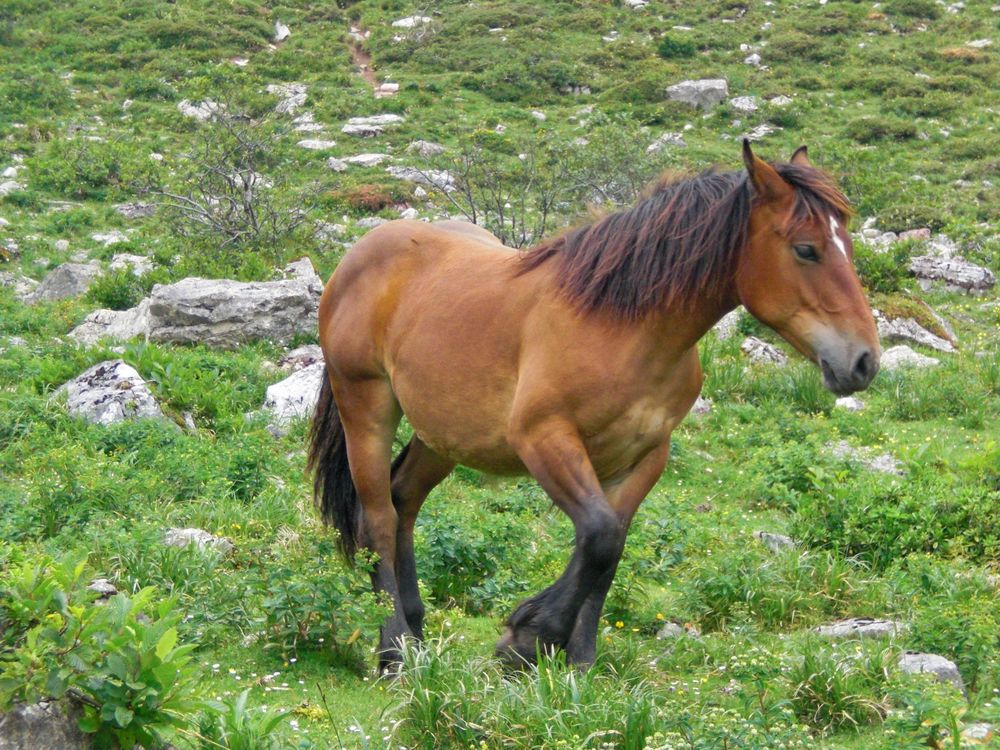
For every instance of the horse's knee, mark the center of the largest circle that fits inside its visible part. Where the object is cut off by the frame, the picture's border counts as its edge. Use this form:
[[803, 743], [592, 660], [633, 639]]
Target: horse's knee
[[601, 538]]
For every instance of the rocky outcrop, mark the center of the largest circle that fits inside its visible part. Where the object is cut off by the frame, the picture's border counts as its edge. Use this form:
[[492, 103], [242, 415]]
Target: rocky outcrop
[[944, 670], [295, 396], [369, 127], [861, 627], [761, 352], [902, 356], [957, 274], [907, 329], [119, 325], [110, 392], [67, 280], [46, 725]]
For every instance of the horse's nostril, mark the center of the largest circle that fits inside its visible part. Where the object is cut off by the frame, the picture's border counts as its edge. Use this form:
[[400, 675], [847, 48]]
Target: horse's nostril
[[864, 365]]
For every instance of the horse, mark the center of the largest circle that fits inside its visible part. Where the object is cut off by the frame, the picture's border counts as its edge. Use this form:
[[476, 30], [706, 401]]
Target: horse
[[572, 361]]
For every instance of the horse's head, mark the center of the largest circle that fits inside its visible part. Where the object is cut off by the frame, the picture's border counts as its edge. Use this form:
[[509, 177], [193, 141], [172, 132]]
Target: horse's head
[[796, 273]]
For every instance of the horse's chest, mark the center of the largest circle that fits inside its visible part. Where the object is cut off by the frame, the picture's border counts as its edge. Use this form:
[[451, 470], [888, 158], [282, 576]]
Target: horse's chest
[[630, 435]]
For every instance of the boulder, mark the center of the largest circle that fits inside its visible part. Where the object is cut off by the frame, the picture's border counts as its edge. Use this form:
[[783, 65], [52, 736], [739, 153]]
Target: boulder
[[119, 325], [367, 160], [761, 352], [10, 186], [109, 238], [902, 356], [199, 537], [425, 149], [849, 403], [139, 264], [745, 104], [110, 392], [281, 32], [23, 286], [224, 313], [958, 274], [410, 22], [861, 627], [300, 358], [305, 123], [907, 329], [726, 327], [291, 96], [337, 165], [369, 127], [944, 670], [702, 94], [201, 111], [46, 725], [67, 280], [316, 144], [439, 179], [104, 588], [295, 396]]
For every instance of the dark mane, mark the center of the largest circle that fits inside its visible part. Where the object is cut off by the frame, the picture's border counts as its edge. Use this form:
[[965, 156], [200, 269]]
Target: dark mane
[[680, 244]]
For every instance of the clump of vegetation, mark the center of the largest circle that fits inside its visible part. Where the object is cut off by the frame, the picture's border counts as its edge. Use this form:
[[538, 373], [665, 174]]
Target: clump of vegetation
[[872, 129], [672, 45], [913, 8]]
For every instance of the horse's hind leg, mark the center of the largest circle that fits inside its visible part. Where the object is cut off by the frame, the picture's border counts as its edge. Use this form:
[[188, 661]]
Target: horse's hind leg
[[370, 414], [416, 471]]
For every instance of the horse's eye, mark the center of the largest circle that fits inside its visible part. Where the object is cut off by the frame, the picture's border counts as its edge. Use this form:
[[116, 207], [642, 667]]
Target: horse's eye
[[806, 252]]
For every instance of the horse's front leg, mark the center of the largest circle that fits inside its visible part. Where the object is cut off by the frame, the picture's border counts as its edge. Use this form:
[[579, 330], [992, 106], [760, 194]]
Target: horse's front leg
[[555, 455], [624, 497]]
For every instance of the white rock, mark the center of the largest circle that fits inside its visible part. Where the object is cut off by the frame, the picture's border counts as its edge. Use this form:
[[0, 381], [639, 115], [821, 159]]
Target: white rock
[[761, 132], [411, 21], [66, 280], [281, 32], [315, 144], [118, 325], [426, 149], [300, 358], [367, 160], [957, 273], [370, 222], [538, 115], [635, 4], [10, 186], [761, 352], [861, 627], [305, 123], [61, 246], [978, 733], [726, 327], [328, 232], [202, 111], [907, 329], [745, 104], [704, 94], [664, 140], [103, 587], [780, 101], [849, 403], [295, 396], [944, 670], [23, 286], [337, 165], [291, 96], [139, 264], [902, 356], [774, 542], [701, 406], [439, 179], [199, 537], [409, 213], [883, 462], [112, 237], [979, 43], [136, 210], [110, 392], [369, 127], [752, 59]]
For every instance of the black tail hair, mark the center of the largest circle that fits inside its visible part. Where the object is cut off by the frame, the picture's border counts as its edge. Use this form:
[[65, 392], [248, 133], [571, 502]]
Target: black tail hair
[[334, 492]]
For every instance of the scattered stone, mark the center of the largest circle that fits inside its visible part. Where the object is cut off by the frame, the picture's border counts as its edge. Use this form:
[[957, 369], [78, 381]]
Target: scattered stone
[[295, 396], [387, 89], [118, 325], [761, 132], [761, 352], [672, 630], [104, 588], [703, 94], [369, 127], [883, 462], [726, 327], [665, 140], [780, 101], [281, 32], [438, 179], [328, 232], [907, 329], [199, 537], [411, 21], [291, 96], [920, 235], [337, 165], [305, 123], [370, 222], [367, 160], [112, 237], [774, 542], [315, 144], [979, 43], [849, 403], [139, 264], [745, 104], [752, 59], [409, 213], [46, 725], [958, 274], [636, 4], [425, 149], [67, 280], [110, 392], [861, 627], [202, 111], [136, 210], [10, 186], [944, 670], [23, 287], [538, 115], [300, 358], [902, 356]]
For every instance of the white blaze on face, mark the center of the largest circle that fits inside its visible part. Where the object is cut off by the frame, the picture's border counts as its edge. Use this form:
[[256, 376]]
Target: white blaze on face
[[835, 236]]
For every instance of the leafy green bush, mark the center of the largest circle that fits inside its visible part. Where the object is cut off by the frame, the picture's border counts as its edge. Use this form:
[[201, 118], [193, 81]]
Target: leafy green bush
[[673, 46], [882, 270], [120, 660], [118, 290], [873, 129], [231, 725]]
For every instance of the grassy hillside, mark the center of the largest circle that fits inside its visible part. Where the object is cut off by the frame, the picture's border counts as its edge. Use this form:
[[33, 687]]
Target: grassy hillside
[[897, 99]]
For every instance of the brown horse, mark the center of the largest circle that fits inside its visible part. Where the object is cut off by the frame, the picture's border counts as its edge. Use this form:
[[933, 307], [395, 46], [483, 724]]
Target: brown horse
[[572, 362]]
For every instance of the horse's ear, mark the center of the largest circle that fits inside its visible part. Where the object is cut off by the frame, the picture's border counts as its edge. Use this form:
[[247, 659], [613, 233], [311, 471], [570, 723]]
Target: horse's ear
[[767, 183], [801, 157]]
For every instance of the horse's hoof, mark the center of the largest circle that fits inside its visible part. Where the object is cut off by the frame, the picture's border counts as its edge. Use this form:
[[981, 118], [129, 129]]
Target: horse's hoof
[[515, 657]]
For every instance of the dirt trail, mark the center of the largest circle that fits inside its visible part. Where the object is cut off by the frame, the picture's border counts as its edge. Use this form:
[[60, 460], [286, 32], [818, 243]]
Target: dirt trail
[[362, 59]]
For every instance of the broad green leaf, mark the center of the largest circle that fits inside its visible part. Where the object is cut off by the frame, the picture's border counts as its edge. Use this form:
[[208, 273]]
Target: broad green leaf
[[166, 644]]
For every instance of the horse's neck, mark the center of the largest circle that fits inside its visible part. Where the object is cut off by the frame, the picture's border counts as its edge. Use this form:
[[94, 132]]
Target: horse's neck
[[684, 327]]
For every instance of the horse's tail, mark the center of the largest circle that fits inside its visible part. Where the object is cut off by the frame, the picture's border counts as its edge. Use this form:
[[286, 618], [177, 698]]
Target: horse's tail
[[334, 492]]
